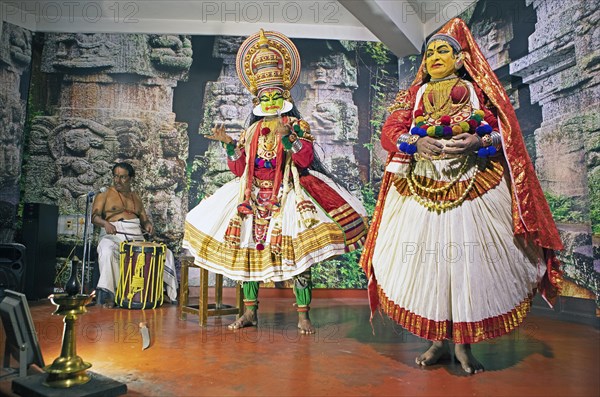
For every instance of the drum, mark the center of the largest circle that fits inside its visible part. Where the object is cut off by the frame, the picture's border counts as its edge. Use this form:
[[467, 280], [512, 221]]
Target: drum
[[141, 275]]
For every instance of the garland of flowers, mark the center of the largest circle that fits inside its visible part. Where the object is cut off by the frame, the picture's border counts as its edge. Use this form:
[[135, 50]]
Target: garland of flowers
[[475, 124]]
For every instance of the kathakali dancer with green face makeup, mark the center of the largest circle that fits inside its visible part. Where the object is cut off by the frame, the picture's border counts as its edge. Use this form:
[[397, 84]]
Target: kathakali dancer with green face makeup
[[462, 236], [279, 216]]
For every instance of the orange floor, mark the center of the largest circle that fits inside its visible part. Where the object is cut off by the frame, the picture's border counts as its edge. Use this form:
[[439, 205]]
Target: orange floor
[[543, 357]]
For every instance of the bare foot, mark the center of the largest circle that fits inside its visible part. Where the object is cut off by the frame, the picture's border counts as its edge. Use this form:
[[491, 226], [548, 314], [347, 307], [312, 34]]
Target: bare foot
[[437, 350], [467, 361], [248, 319], [304, 323]]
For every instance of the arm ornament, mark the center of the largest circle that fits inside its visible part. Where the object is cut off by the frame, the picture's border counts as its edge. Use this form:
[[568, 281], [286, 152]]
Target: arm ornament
[[291, 143], [407, 143], [496, 139], [302, 129], [233, 151], [296, 146]]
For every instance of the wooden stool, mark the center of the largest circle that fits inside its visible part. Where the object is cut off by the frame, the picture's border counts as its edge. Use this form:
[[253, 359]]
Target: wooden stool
[[204, 309]]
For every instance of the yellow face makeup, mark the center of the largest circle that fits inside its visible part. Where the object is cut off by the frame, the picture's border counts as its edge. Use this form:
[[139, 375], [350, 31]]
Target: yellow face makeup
[[439, 59], [271, 101]]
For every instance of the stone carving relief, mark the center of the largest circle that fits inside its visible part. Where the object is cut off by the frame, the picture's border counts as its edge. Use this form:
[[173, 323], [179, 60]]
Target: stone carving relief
[[493, 37], [15, 47], [226, 47], [230, 103], [226, 100], [132, 138], [326, 119], [81, 152], [165, 56], [332, 73], [174, 142], [328, 104], [337, 118], [587, 31], [171, 52], [85, 50], [11, 119], [15, 59]]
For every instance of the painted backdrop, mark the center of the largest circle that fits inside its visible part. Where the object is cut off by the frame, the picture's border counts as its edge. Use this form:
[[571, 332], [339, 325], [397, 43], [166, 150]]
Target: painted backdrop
[[93, 99]]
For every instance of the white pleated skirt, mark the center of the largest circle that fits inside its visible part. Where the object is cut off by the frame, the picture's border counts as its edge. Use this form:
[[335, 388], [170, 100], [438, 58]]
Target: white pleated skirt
[[301, 246], [457, 274]]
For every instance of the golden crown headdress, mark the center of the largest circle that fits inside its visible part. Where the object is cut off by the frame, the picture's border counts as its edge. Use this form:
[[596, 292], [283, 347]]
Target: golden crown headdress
[[268, 60]]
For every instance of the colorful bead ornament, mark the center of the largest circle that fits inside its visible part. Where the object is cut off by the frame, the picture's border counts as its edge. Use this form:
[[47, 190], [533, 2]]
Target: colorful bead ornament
[[230, 147], [475, 124], [298, 130], [262, 163], [407, 148]]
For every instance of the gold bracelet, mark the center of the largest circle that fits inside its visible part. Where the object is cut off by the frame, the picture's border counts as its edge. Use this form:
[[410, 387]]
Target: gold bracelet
[[412, 140], [486, 140]]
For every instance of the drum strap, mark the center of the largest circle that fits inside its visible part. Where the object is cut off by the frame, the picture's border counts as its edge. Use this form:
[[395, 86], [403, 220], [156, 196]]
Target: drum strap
[[133, 279], [137, 283]]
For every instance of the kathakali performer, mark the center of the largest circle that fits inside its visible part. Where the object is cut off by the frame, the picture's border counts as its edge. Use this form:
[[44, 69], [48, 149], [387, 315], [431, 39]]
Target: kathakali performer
[[462, 236], [279, 216]]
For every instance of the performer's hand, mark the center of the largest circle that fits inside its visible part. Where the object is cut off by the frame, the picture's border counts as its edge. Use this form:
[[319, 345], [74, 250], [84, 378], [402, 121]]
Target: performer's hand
[[149, 228], [218, 134], [463, 143], [428, 146], [110, 228], [283, 130]]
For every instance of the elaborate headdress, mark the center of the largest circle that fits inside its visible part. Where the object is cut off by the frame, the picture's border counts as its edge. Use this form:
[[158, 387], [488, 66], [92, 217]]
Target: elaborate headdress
[[268, 60]]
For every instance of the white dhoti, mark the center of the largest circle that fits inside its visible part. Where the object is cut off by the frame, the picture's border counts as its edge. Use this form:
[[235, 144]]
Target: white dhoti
[[108, 257]]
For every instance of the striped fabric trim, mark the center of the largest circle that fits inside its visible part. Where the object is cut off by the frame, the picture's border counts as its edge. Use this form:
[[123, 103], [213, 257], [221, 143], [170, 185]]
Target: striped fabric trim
[[353, 225], [320, 240], [485, 180], [463, 332]]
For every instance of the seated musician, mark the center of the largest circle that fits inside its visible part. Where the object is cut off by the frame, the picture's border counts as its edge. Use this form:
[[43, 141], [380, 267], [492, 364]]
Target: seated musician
[[121, 215]]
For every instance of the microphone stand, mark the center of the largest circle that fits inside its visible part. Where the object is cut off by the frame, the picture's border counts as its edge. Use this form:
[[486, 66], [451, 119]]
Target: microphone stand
[[86, 240]]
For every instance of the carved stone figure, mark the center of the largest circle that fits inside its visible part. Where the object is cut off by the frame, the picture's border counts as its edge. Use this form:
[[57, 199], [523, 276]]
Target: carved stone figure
[[493, 36], [115, 104], [15, 59]]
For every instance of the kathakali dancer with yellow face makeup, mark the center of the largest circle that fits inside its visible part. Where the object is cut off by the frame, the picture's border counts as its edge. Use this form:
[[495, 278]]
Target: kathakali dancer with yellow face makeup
[[462, 236], [279, 216]]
